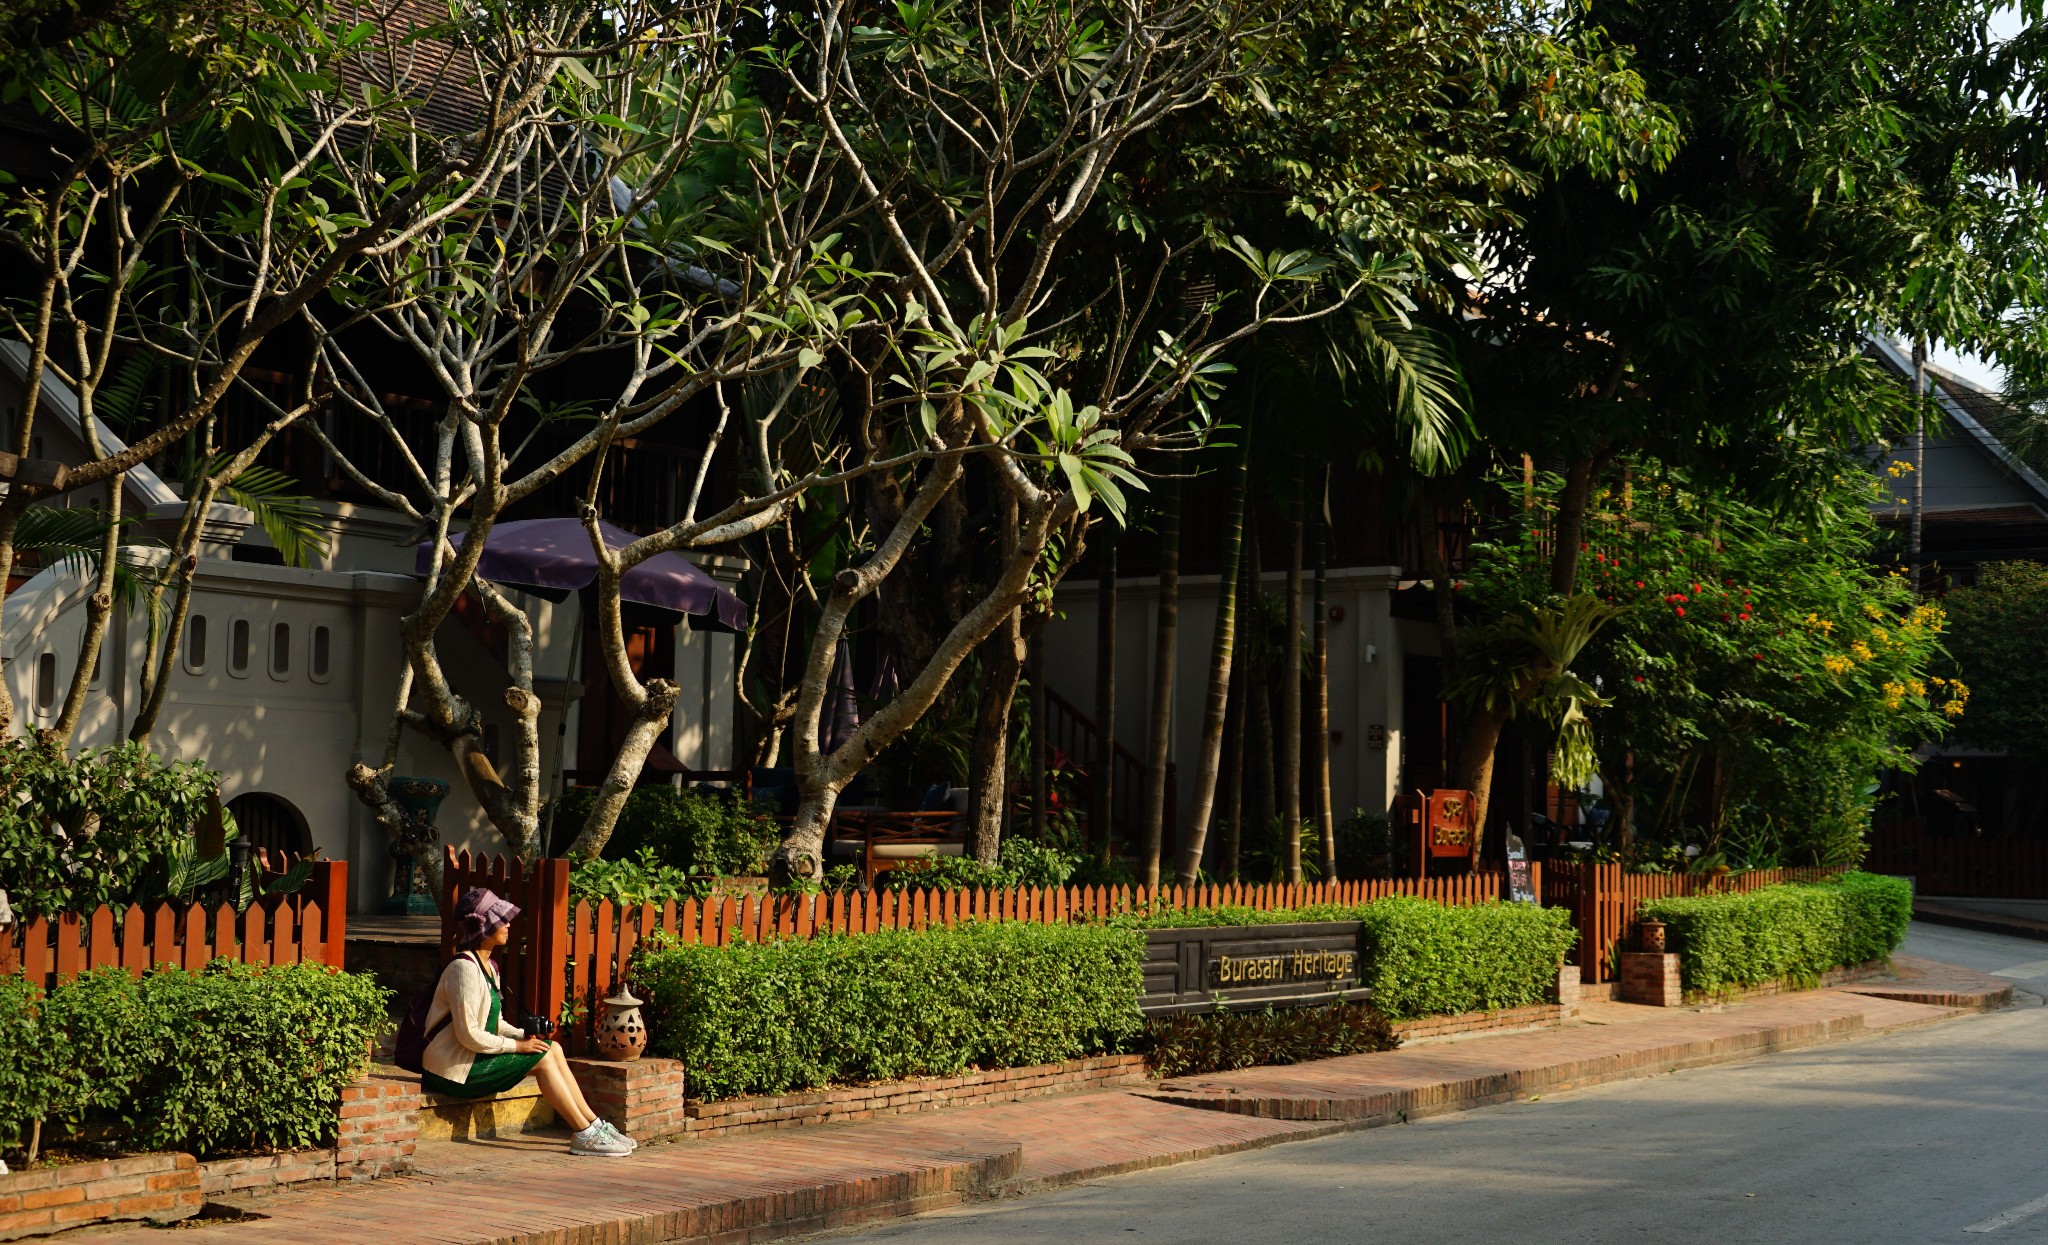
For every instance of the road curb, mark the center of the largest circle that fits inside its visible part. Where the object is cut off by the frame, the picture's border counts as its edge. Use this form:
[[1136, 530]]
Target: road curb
[[1982, 922]]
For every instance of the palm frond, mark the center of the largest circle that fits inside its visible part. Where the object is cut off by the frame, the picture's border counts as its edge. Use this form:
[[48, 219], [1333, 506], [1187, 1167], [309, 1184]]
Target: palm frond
[[126, 396], [73, 538], [1426, 393], [286, 515]]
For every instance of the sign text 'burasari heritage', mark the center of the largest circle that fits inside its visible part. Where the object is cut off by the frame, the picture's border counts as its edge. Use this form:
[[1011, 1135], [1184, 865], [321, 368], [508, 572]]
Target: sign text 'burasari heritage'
[[1301, 965]]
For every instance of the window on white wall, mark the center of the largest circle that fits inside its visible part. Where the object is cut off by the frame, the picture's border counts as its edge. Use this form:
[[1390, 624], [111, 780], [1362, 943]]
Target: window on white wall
[[280, 650], [195, 644], [46, 683], [238, 648], [320, 663]]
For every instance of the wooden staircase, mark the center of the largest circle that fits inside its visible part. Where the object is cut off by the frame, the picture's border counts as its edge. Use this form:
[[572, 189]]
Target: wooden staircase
[[1075, 734]]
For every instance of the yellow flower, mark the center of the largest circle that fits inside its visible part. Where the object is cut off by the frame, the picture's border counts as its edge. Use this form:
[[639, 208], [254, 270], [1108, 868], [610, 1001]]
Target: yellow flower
[[1862, 651], [1815, 620], [1878, 634], [1898, 467], [1916, 687], [1837, 664], [1872, 612]]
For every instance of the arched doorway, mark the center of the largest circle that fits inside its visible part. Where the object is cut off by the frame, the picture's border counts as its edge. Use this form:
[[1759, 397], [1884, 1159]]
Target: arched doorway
[[271, 823]]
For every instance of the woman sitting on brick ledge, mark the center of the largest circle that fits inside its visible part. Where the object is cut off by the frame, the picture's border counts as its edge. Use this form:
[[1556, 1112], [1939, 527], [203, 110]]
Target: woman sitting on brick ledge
[[472, 1052]]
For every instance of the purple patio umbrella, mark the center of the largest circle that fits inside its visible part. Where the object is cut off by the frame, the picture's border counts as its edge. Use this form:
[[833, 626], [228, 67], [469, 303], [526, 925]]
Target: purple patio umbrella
[[553, 556]]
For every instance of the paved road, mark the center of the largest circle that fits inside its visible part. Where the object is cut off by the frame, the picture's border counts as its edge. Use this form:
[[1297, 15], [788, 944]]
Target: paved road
[[1937, 1134]]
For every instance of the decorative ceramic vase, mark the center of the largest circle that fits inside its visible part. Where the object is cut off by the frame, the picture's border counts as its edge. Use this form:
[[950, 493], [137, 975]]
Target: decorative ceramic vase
[[1653, 936], [421, 799], [621, 1033]]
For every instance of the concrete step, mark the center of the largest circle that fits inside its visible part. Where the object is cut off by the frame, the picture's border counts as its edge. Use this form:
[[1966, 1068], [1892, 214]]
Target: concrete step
[[520, 1109]]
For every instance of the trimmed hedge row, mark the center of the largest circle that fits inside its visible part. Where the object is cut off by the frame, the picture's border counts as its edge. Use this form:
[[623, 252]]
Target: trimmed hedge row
[[1188, 1044], [1429, 959], [1793, 933], [230, 1059], [803, 1013]]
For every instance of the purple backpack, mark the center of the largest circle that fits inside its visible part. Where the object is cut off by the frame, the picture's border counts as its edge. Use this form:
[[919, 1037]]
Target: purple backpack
[[409, 1049]]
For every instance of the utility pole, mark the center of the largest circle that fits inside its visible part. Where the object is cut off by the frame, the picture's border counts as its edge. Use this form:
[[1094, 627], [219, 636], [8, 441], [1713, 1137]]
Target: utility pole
[[1919, 455]]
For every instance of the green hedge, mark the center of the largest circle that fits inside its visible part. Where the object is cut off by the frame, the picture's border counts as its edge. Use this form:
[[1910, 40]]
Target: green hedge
[[797, 1014], [230, 1059], [1792, 933], [1189, 1045], [1430, 959]]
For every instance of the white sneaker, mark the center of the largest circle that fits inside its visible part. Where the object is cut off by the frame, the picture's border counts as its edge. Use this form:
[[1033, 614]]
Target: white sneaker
[[613, 1131], [600, 1141]]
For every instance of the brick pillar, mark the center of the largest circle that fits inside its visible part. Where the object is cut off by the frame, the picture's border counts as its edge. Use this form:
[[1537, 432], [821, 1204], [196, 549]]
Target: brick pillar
[[643, 1097], [1568, 990], [1651, 977], [379, 1129]]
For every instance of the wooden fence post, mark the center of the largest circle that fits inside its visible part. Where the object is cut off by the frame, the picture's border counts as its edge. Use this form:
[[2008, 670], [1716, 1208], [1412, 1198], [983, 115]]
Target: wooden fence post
[[330, 891], [551, 940]]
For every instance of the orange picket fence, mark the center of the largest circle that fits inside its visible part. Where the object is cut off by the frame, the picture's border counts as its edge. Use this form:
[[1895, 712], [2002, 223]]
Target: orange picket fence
[[561, 951], [306, 927], [1606, 902]]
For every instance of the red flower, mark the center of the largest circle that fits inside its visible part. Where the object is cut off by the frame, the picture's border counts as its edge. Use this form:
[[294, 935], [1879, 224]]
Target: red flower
[[1639, 678], [1759, 656], [1680, 609], [1639, 583], [1583, 546]]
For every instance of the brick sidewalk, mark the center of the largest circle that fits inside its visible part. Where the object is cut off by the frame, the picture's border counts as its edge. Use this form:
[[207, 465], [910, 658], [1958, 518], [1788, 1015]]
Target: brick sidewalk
[[762, 1186]]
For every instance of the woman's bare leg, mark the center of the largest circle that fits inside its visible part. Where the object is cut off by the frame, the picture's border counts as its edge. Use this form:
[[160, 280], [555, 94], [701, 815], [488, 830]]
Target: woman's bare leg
[[558, 1085]]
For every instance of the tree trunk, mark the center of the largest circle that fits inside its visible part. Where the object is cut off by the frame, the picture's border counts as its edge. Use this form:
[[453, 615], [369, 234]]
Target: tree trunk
[[98, 608], [646, 727], [1041, 750], [162, 659], [1002, 664], [820, 775], [1258, 686], [1319, 674], [1223, 647], [1159, 740], [1103, 812], [1233, 749], [1289, 769], [1571, 524], [10, 522]]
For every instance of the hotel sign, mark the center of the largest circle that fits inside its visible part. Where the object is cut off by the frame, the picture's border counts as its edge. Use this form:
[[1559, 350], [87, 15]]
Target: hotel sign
[[1242, 967]]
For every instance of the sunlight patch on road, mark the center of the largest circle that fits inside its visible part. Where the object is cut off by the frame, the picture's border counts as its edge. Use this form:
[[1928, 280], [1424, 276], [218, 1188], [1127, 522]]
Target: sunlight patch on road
[[2007, 1218]]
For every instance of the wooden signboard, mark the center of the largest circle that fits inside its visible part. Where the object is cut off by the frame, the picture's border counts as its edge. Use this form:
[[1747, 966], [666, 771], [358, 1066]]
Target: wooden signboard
[[1441, 822], [1231, 968]]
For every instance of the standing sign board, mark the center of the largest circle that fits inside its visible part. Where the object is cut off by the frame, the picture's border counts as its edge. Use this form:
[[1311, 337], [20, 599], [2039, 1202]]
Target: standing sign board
[[1521, 885]]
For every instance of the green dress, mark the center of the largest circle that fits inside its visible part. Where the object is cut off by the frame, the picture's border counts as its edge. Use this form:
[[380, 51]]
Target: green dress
[[489, 1074]]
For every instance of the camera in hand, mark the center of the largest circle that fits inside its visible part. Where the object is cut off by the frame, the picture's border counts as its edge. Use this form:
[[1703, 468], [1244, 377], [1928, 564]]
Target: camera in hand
[[539, 1026]]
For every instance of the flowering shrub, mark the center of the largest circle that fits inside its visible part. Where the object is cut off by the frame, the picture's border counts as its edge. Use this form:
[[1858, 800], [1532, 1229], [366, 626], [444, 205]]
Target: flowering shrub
[[1761, 672]]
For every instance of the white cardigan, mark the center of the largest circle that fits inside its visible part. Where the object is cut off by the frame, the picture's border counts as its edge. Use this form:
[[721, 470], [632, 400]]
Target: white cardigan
[[464, 996]]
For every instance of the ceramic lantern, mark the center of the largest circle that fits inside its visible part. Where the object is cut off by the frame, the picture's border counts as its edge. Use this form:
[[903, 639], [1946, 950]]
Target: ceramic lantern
[[621, 1033], [1653, 936]]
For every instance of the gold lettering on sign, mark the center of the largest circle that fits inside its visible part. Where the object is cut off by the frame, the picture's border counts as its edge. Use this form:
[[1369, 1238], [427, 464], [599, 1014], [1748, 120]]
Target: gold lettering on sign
[[1228, 970]]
